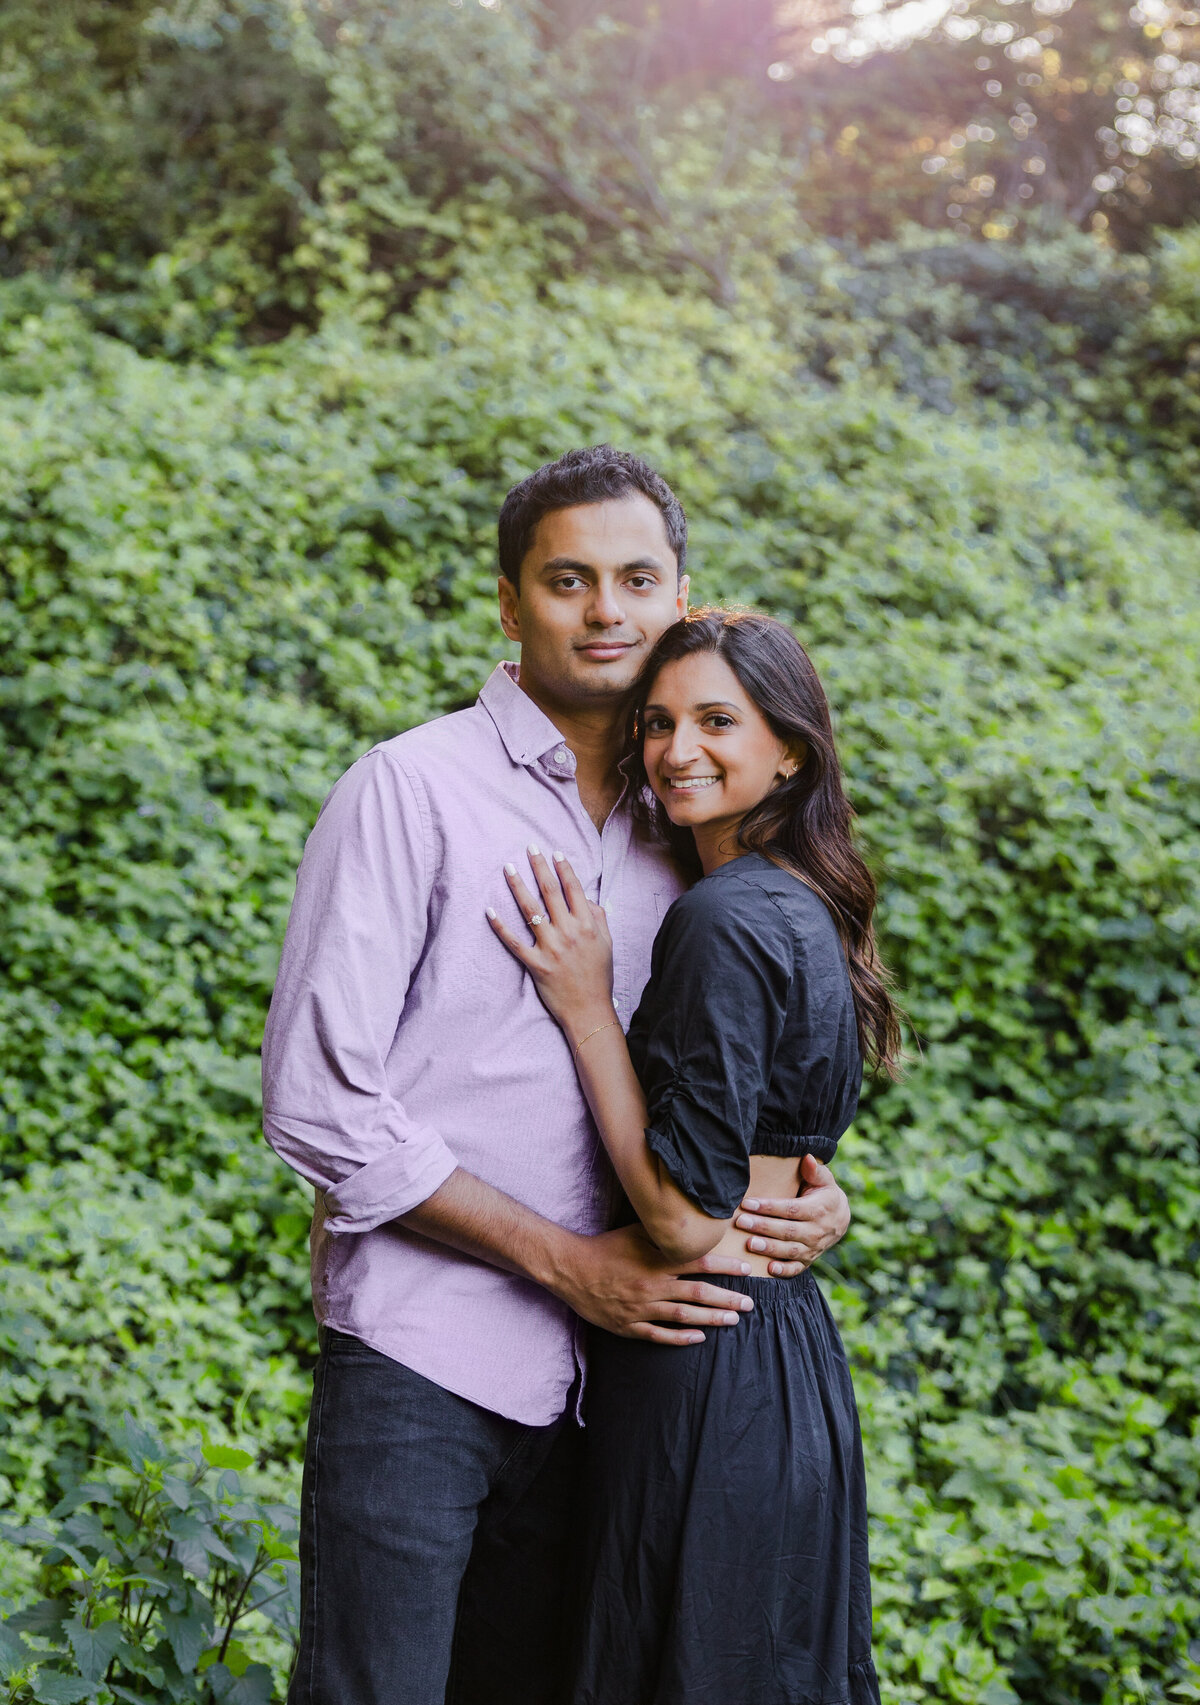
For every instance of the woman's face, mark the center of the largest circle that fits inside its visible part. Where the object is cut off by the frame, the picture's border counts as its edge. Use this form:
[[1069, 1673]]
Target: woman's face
[[709, 752]]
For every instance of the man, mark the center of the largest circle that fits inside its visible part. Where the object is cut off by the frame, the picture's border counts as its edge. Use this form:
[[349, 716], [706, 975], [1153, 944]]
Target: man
[[411, 1075]]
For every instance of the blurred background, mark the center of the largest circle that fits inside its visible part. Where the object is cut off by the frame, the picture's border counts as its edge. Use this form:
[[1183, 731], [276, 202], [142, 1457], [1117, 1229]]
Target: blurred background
[[904, 300]]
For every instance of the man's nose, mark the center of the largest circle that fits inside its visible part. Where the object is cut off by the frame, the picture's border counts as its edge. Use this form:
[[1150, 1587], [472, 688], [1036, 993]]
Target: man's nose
[[606, 609]]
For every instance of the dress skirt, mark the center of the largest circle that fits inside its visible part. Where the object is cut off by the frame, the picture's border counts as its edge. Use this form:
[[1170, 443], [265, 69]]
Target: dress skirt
[[726, 1553]]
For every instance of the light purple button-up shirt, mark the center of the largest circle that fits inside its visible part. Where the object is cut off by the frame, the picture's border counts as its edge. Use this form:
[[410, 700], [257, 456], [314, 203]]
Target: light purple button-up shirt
[[404, 1040]]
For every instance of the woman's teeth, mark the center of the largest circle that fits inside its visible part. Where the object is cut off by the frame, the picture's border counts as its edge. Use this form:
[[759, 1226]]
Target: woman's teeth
[[689, 784]]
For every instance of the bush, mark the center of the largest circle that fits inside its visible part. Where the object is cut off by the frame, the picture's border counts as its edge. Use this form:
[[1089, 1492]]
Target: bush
[[161, 1579], [120, 1295], [222, 583]]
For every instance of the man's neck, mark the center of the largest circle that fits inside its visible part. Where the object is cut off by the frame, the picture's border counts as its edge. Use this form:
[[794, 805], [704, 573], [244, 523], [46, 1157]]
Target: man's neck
[[594, 733]]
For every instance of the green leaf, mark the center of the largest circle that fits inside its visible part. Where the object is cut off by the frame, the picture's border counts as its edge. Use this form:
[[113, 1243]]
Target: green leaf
[[139, 1445], [252, 1687], [93, 1648], [187, 1635], [87, 1492], [45, 1618], [225, 1456], [52, 1687], [179, 1491], [14, 1654]]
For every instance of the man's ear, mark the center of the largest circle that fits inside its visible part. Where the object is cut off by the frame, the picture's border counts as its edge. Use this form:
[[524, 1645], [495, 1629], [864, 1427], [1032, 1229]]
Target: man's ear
[[510, 608], [681, 597]]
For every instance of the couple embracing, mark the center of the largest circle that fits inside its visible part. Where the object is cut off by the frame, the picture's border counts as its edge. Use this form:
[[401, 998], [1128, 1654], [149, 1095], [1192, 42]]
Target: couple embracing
[[572, 1012]]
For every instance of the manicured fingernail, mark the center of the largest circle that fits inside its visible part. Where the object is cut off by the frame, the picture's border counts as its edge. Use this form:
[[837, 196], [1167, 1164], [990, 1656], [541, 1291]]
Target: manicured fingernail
[[758, 1244], [696, 1338], [744, 1222], [490, 912], [559, 857], [533, 851], [752, 1203], [746, 1267], [510, 870], [731, 1320]]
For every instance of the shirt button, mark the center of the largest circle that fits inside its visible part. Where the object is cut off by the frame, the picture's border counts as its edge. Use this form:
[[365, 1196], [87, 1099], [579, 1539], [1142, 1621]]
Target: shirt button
[[560, 757]]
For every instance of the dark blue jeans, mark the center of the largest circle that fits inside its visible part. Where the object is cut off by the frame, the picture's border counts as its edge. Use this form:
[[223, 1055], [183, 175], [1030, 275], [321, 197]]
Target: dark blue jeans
[[436, 1544]]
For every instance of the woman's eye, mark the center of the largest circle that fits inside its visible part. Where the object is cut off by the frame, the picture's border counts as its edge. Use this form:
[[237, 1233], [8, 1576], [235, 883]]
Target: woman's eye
[[720, 721], [657, 725]]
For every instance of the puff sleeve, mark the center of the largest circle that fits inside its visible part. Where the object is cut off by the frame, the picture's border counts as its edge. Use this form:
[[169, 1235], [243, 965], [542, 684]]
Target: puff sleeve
[[704, 1038]]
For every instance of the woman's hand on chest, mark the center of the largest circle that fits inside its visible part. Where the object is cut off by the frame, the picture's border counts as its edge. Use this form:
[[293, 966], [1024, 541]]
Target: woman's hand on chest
[[568, 951]]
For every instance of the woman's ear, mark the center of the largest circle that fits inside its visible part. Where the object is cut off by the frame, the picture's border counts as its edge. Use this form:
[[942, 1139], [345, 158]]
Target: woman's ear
[[793, 759]]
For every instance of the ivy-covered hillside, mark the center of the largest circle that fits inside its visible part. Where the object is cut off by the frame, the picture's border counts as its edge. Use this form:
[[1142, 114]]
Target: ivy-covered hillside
[[250, 461]]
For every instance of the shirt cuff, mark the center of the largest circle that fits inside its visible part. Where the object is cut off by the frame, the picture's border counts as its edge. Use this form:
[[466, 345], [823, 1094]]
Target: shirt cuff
[[389, 1186]]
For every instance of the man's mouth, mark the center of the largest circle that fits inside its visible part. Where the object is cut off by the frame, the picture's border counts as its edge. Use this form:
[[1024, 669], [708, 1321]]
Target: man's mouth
[[603, 648], [690, 784]]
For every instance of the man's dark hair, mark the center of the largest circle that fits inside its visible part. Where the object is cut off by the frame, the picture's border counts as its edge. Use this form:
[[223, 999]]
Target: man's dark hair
[[583, 476]]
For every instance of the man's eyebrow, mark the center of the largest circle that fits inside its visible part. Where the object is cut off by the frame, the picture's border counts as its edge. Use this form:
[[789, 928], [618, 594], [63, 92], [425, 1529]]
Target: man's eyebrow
[[558, 564]]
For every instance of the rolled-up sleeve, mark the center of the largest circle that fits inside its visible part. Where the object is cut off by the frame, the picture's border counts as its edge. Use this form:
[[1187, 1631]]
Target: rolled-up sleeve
[[356, 933], [705, 1036]]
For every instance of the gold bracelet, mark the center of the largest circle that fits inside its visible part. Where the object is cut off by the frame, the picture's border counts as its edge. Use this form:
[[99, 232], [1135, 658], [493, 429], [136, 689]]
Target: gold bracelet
[[590, 1034]]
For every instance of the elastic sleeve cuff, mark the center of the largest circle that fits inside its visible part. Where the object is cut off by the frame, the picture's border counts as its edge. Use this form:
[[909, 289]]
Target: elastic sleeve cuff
[[700, 1191], [385, 1188]]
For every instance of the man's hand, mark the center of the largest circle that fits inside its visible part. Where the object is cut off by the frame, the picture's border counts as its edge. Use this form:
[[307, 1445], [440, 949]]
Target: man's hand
[[620, 1281], [796, 1230]]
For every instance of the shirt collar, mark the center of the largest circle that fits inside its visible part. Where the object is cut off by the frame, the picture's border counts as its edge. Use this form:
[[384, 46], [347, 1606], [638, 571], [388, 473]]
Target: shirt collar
[[527, 732]]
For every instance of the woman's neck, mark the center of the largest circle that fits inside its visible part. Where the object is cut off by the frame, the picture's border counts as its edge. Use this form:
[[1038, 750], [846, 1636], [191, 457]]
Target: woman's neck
[[717, 844]]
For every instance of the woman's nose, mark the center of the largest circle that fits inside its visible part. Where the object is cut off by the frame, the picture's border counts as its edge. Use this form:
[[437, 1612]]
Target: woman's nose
[[681, 748]]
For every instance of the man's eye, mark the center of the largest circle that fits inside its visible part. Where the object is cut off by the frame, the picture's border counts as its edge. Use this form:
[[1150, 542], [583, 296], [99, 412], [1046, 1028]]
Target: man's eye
[[640, 582], [569, 582]]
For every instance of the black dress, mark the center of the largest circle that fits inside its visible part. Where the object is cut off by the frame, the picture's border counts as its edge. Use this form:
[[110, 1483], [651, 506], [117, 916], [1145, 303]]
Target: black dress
[[726, 1555]]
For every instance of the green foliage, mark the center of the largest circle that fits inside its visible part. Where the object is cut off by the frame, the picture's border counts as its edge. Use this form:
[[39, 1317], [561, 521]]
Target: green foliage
[[161, 1580], [1155, 390], [119, 1294], [221, 583], [209, 169], [291, 294], [159, 168]]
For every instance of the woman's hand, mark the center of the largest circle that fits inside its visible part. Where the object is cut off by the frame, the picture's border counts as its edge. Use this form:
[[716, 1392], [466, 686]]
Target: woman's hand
[[570, 954]]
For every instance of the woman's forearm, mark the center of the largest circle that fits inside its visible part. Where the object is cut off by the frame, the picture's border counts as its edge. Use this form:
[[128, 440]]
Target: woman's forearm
[[618, 1106]]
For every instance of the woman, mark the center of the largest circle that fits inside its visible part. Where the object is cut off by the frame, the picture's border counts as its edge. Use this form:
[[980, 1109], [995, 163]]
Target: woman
[[727, 1552]]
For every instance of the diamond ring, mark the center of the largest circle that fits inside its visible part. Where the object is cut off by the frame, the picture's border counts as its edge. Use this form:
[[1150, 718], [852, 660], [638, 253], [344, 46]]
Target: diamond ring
[[536, 919]]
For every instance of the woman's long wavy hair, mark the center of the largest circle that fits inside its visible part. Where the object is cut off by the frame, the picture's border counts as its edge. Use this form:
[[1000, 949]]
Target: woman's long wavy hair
[[804, 823]]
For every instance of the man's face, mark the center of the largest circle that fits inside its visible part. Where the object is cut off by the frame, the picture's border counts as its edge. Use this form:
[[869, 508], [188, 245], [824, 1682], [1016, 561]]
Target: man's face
[[599, 584]]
